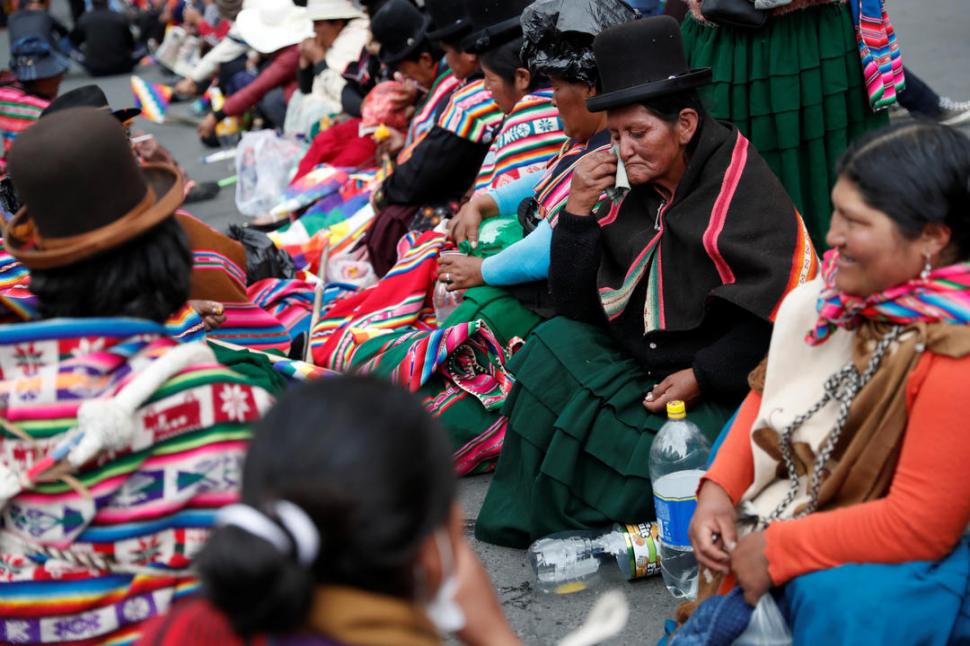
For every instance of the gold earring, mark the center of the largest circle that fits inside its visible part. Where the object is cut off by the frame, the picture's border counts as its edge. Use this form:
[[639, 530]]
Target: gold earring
[[927, 267]]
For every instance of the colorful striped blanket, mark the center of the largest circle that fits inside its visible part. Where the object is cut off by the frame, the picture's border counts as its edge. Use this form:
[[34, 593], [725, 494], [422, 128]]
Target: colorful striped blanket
[[530, 136], [390, 330], [882, 65], [471, 113], [89, 560], [339, 213], [18, 111], [401, 300]]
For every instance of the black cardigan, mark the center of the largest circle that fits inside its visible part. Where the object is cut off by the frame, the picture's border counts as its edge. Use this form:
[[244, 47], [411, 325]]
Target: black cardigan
[[727, 345]]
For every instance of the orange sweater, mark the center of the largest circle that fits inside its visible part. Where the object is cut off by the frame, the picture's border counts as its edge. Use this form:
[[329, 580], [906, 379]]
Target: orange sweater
[[927, 507]]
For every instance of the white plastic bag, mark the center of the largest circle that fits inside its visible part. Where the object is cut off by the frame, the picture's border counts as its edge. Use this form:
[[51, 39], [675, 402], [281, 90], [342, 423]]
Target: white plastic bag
[[767, 626], [264, 165], [179, 52]]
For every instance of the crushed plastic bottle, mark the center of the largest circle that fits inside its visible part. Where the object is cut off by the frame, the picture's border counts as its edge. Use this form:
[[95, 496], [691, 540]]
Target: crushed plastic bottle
[[568, 562]]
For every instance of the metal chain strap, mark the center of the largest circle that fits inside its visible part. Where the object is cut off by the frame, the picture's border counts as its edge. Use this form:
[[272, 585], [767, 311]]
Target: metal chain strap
[[841, 387]]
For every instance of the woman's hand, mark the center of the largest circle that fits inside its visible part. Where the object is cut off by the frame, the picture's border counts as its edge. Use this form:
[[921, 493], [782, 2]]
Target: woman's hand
[[208, 126], [750, 565], [465, 225], [460, 272], [713, 532], [212, 313], [681, 386], [485, 623], [593, 175], [311, 52]]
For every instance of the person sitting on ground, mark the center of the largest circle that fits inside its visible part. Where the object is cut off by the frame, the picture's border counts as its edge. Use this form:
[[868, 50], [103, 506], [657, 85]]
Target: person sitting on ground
[[120, 442], [448, 139], [274, 29], [566, 58], [341, 30], [211, 26], [666, 293], [34, 79], [364, 73], [104, 41], [222, 266], [37, 19], [853, 434], [301, 560], [440, 171], [229, 51], [530, 136], [433, 157]]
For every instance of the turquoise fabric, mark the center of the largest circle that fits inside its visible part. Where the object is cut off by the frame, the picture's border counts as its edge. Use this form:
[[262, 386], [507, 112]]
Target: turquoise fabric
[[720, 440], [921, 602], [523, 262], [508, 196]]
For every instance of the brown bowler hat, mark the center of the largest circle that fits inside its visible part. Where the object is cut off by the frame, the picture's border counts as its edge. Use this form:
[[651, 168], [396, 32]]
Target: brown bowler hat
[[83, 191]]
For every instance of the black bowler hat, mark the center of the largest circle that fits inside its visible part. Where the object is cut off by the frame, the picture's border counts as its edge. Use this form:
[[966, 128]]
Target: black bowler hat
[[400, 29], [450, 18], [493, 23], [88, 96], [641, 60]]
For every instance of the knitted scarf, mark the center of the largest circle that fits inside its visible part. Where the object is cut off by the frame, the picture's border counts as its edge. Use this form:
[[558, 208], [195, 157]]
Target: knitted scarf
[[882, 65], [943, 297]]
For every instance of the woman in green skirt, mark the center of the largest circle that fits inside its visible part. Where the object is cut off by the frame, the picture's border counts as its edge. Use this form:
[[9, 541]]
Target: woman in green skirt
[[667, 293], [795, 88]]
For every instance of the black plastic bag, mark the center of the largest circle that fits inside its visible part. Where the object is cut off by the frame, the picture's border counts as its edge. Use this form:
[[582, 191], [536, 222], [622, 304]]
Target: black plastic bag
[[558, 35], [263, 258]]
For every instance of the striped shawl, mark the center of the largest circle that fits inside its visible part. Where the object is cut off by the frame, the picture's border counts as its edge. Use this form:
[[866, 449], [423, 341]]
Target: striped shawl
[[730, 232], [530, 136]]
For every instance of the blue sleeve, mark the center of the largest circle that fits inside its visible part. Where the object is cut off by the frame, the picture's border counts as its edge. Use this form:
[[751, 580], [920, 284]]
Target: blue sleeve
[[509, 196], [523, 262]]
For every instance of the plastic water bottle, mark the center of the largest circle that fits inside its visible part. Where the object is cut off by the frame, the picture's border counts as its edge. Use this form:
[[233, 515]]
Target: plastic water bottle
[[568, 562], [678, 460]]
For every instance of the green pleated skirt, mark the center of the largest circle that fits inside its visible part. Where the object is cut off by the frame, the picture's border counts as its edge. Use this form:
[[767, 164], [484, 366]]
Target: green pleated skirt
[[577, 446], [795, 89]]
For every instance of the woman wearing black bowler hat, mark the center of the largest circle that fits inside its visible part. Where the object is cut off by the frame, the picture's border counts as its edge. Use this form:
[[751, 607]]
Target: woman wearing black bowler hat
[[666, 293]]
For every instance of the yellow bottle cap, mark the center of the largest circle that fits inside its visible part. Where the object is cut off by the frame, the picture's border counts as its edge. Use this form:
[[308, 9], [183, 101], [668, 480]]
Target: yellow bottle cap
[[382, 133], [676, 409]]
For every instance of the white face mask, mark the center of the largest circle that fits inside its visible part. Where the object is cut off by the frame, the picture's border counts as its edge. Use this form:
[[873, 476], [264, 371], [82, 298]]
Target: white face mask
[[443, 611]]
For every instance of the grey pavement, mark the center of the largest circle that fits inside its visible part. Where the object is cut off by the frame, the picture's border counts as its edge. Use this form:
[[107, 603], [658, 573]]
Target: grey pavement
[[932, 36]]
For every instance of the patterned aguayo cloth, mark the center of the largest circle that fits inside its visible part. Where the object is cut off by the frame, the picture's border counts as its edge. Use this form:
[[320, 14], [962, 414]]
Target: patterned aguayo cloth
[[88, 562]]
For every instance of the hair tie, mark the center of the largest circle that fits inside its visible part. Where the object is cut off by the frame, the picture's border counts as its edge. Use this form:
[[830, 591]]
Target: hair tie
[[303, 536], [303, 530], [255, 522]]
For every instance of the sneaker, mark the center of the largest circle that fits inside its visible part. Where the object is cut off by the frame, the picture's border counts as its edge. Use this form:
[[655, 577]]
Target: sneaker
[[954, 112]]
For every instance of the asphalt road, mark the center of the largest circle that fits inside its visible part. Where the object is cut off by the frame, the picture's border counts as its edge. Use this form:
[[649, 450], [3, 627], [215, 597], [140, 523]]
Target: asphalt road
[[934, 42]]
